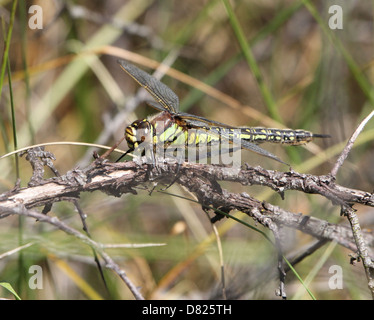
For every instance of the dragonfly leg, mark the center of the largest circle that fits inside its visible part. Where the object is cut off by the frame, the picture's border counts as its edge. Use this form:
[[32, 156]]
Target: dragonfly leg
[[219, 215], [123, 155], [175, 178]]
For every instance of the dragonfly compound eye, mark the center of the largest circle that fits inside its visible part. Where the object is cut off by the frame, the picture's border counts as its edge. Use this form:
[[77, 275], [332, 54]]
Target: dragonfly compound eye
[[137, 132]]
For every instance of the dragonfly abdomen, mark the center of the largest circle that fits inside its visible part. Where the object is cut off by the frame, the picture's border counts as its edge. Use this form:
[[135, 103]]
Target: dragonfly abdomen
[[282, 136]]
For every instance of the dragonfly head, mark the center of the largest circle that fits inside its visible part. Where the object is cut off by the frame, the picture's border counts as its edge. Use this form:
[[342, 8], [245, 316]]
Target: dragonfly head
[[138, 132]]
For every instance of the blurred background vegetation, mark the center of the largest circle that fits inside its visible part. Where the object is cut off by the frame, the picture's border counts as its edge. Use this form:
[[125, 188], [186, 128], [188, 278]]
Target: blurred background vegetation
[[63, 84]]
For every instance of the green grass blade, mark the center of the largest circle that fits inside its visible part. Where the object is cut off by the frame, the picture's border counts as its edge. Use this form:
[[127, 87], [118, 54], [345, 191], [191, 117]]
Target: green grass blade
[[249, 56], [299, 278], [7, 45], [8, 287], [14, 127], [23, 16]]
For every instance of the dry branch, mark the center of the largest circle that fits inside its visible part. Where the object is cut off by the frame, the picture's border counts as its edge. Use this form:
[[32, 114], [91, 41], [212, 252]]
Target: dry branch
[[117, 179], [120, 178]]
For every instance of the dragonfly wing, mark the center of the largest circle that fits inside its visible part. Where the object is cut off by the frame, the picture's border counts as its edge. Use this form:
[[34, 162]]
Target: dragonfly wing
[[155, 105], [161, 92], [255, 148], [197, 121]]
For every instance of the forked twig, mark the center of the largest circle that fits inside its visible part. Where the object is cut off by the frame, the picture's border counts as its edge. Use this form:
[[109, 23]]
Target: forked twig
[[362, 247], [349, 212]]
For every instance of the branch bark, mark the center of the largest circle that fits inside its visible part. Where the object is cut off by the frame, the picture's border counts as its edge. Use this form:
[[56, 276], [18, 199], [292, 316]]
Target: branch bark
[[119, 178]]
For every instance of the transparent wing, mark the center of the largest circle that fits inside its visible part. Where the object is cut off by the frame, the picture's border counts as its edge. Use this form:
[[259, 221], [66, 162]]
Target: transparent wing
[[197, 121], [156, 106], [161, 92]]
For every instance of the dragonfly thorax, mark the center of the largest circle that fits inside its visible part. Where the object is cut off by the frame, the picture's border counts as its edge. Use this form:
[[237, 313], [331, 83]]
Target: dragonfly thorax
[[138, 132]]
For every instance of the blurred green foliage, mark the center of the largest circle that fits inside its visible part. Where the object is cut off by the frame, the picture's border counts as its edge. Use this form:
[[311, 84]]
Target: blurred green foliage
[[67, 86]]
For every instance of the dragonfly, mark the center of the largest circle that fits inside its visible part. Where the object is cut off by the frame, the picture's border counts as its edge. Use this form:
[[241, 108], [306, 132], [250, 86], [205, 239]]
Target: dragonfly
[[173, 128]]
